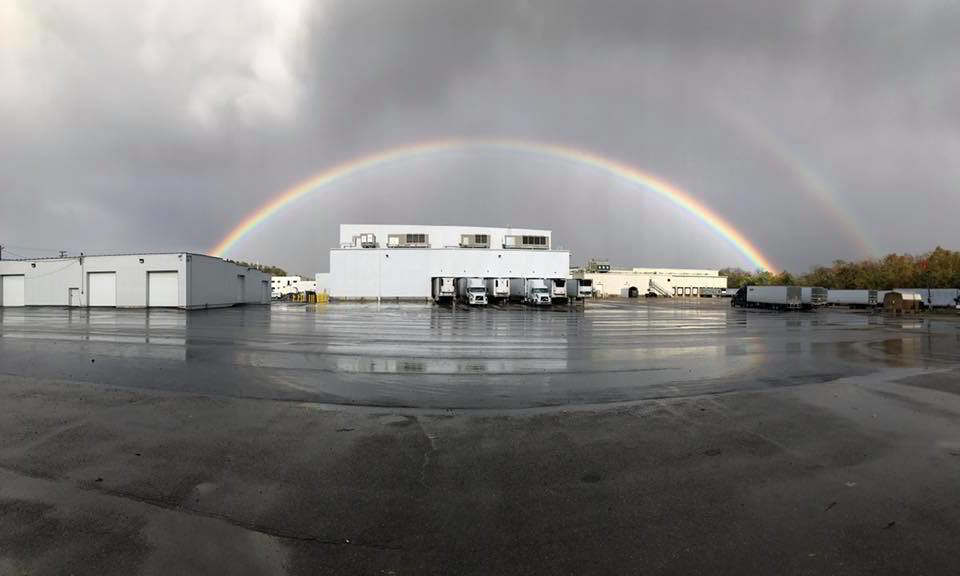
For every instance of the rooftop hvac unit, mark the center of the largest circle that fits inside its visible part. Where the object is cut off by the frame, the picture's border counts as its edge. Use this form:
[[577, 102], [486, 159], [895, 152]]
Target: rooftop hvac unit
[[474, 240], [368, 240], [527, 242], [408, 241]]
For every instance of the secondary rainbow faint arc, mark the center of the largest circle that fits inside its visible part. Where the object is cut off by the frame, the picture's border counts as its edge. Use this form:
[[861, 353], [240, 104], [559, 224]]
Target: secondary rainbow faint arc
[[556, 151]]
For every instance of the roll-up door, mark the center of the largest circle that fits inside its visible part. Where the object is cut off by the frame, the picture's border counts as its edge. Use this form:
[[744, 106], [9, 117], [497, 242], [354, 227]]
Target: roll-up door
[[11, 291], [102, 289], [163, 289]]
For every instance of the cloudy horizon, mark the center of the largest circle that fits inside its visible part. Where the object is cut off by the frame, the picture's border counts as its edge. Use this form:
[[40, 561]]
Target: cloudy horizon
[[820, 130]]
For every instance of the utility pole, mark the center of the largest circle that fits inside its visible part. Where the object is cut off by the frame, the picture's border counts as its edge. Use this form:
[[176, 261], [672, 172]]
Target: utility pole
[[1, 251]]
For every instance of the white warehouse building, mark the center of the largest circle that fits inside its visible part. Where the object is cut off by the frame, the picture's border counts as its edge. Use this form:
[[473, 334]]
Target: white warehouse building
[[400, 261], [173, 280], [666, 282]]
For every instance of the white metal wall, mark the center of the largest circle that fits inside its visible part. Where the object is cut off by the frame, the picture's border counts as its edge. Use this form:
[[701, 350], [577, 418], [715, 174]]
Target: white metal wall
[[207, 282], [406, 272], [615, 283], [216, 283]]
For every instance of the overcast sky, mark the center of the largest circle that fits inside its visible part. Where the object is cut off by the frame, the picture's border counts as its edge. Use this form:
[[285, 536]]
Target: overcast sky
[[819, 129]]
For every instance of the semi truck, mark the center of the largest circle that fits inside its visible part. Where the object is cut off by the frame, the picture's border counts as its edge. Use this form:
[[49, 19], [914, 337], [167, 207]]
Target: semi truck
[[530, 291], [853, 298], [774, 297], [472, 291], [443, 290], [498, 288]]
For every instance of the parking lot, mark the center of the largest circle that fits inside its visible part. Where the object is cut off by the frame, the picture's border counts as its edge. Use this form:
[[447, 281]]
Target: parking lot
[[663, 437]]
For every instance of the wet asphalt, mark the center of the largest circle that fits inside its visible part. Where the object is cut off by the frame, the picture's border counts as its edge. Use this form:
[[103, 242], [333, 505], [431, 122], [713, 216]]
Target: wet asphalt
[[620, 437]]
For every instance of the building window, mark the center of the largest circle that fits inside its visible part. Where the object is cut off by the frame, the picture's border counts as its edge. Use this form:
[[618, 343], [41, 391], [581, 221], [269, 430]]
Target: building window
[[534, 240], [416, 238]]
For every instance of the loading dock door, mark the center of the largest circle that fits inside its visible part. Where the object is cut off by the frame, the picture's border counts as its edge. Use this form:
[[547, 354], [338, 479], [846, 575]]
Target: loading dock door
[[11, 291], [102, 289], [163, 289]]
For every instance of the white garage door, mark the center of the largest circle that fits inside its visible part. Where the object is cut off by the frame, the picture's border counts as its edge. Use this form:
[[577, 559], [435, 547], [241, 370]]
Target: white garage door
[[12, 291], [102, 289], [163, 289]]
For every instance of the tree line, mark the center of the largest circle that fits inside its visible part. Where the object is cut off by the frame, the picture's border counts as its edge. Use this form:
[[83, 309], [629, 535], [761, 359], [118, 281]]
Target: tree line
[[271, 270], [937, 269]]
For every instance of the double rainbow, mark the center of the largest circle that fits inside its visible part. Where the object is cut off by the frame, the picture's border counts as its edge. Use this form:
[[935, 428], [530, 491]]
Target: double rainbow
[[577, 156]]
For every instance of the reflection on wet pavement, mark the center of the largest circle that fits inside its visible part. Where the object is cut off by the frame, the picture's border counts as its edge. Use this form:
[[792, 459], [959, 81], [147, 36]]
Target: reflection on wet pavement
[[500, 357]]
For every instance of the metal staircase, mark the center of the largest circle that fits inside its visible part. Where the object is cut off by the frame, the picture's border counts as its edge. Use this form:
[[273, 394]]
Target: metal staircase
[[658, 289]]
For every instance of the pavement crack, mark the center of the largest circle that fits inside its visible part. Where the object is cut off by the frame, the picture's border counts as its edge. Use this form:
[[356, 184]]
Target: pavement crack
[[427, 454]]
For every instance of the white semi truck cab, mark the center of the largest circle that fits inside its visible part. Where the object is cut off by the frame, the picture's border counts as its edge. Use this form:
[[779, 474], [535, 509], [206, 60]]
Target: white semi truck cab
[[472, 291], [538, 292]]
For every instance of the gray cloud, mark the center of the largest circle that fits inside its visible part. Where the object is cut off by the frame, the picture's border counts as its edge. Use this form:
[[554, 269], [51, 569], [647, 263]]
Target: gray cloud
[[136, 125]]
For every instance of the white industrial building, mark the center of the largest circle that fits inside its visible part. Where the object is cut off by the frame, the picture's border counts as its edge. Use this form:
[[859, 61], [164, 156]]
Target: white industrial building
[[174, 280], [399, 261], [666, 282]]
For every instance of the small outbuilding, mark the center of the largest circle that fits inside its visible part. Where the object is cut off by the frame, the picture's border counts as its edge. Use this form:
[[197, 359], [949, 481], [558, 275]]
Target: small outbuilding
[[169, 280], [901, 302]]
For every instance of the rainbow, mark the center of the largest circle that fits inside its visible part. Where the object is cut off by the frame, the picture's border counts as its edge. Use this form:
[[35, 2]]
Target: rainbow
[[805, 177], [577, 156]]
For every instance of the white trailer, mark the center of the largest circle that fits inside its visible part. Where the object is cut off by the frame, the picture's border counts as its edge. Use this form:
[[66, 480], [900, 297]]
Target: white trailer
[[498, 288], [935, 297], [558, 289], [780, 297], [472, 291], [443, 289], [853, 298]]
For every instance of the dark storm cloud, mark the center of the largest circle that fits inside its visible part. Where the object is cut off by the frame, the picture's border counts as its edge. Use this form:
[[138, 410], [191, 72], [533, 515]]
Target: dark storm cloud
[[145, 126]]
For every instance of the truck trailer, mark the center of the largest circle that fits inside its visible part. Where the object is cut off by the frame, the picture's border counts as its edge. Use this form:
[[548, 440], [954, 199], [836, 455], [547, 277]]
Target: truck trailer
[[443, 289], [853, 298], [558, 290], [498, 288], [579, 288], [472, 291], [776, 297], [530, 291]]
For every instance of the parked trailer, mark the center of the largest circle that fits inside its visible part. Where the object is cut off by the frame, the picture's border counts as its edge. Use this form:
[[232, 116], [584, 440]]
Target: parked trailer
[[935, 297], [472, 291], [498, 288], [530, 291], [780, 297], [558, 289], [813, 296], [444, 289], [853, 298], [579, 288], [776, 297]]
